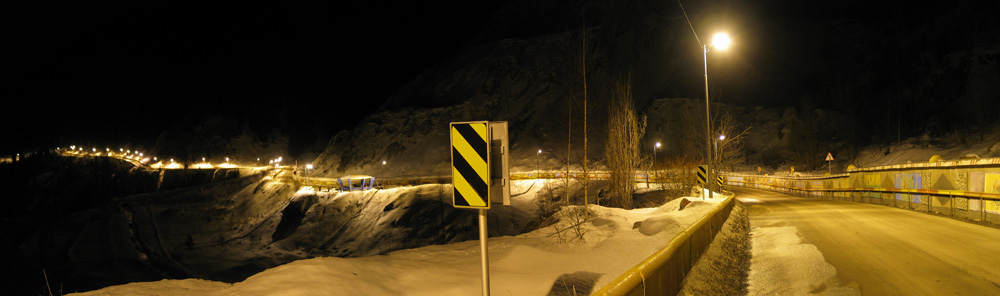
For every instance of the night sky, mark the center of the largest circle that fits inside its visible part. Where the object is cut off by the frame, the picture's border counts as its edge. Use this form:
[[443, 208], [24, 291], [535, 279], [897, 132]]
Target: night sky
[[123, 72]]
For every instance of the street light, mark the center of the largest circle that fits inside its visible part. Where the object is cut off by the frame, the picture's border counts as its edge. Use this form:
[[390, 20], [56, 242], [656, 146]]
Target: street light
[[720, 41], [382, 173], [537, 171], [717, 154], [657, 146]]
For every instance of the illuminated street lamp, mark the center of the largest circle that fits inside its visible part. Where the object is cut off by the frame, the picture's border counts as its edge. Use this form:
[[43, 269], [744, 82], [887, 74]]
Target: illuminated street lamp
[[720, 41], [718, 156], [537, 170], [382, 173], [657, 146]]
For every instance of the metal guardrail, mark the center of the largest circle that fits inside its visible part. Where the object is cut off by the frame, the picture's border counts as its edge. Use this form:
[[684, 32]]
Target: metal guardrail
[[968, 189], [326, 183], [663, 272]]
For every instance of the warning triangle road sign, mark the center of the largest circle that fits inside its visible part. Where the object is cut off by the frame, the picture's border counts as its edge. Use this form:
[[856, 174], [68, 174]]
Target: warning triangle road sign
[[829, 157]]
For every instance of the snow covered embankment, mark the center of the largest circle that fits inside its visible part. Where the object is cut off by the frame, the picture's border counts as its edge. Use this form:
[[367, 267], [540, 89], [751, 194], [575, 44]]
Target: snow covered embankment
[[526, 264]]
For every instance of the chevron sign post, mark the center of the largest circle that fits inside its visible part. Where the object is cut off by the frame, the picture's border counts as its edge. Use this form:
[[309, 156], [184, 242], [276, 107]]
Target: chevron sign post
[[479, 172]]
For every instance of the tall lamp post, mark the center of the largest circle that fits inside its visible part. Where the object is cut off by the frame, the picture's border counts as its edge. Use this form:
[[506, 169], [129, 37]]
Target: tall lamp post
[[718, 155], [720, 41], [657, 146], [536, 163]]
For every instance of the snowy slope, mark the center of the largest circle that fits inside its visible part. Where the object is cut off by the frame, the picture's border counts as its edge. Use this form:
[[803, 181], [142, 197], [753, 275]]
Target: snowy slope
[[613, 240]]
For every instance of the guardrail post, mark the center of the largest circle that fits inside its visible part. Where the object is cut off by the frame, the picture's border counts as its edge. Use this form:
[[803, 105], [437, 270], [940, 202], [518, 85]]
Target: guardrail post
[[951, 202]]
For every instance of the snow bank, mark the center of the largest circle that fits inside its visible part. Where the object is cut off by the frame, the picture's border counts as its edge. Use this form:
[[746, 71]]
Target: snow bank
[[787, 266], [589, 253]]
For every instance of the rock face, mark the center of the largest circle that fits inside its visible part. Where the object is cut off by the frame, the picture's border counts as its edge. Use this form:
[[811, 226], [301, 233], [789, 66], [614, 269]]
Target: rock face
[[526, 68]]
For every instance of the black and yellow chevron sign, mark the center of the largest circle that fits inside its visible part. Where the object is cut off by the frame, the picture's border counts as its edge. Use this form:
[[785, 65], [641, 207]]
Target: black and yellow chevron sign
[[702, 174], [470, 167]]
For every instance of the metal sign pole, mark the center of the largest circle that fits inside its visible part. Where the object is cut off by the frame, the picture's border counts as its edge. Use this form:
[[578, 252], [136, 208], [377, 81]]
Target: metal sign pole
[[484, 252], [480, 174]]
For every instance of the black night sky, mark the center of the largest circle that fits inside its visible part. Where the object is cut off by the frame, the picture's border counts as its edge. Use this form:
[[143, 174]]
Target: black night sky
[[123, 72]]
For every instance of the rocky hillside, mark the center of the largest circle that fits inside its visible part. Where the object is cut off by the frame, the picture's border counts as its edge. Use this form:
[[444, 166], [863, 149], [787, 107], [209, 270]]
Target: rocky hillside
[[527, 69]]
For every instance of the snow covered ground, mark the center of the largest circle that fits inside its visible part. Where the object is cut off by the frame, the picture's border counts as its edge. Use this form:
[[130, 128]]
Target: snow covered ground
[[611, 241], [785, 265]]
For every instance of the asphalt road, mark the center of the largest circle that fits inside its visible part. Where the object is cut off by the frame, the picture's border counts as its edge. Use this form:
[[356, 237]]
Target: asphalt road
[[873, 249]]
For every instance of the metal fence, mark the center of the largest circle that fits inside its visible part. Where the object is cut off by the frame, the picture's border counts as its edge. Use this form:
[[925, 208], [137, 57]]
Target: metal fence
[[963, 189]]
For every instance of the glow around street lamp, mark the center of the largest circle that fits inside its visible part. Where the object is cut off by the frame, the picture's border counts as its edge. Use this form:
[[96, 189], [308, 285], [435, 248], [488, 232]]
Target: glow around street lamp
[[721, 41], [722, 137]]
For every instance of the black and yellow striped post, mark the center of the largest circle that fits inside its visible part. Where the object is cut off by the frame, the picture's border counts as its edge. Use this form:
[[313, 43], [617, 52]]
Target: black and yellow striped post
[[702, 174], [470, 165], [470, 173]]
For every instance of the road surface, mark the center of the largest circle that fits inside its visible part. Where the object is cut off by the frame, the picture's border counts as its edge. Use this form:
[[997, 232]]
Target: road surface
[[806, 245]]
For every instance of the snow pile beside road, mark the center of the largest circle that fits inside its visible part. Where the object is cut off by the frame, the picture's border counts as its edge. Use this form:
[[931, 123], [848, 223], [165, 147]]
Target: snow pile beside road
[[724, 267], [790, 267]]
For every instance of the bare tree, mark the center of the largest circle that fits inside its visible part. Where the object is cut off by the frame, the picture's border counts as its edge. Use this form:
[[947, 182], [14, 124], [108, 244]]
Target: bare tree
[[625, 130], [729, 150]]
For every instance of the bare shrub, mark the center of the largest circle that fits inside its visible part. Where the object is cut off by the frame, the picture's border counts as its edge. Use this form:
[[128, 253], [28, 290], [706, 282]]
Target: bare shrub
[[572, 231], [681, 176], [625, 130]]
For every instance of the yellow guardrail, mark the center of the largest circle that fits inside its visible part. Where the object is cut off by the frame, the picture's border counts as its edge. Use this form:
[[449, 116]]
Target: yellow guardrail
[[968, 189], [663, 272]]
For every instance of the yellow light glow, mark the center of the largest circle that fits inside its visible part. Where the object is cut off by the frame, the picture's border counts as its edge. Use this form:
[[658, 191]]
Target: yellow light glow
[[203, 165], [721, 41]]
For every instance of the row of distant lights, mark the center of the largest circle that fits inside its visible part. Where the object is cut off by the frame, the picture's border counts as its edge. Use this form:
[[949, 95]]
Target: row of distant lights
[[139, 156]]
